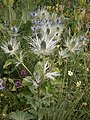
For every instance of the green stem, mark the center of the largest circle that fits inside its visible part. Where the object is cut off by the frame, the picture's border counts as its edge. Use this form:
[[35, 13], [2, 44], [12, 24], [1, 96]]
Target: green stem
[[39, 88], [23, 65], [9, 15], [85, 66], [64, 77], [40, 84], [26, 68]]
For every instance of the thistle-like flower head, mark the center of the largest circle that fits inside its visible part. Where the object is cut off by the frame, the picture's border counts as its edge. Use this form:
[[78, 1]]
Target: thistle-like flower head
[[73, 44], [10, 47], [43, 46], [43, 13], [63, 53]]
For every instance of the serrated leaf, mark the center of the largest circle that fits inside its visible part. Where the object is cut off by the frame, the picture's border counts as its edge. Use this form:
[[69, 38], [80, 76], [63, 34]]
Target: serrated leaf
[[27, 79], [30, 100], [41, 113], [19, 115]]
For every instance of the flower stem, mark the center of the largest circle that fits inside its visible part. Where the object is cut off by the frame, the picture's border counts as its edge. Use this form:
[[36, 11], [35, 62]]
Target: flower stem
[[39, 88], [26, 68], [40, 84], [42, 78], [23, 65], [9, 15]]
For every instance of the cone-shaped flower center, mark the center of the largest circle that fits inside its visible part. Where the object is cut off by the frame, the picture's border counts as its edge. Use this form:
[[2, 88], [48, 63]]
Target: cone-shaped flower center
[[10, 47], [43, 45]]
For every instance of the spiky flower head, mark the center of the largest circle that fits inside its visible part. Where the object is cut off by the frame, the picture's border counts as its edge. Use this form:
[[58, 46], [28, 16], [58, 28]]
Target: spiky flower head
[[43, 21], [11, 46], [73, 44], [44, 45], [63, 53], [14, 29]]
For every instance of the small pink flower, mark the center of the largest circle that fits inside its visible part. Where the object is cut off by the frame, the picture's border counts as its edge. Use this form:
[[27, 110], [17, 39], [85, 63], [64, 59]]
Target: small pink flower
[[18, 84], [23, 73]]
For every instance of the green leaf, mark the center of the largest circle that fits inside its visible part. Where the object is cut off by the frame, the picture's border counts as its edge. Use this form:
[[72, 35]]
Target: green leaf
[[7, 63], [5, 111], [41, 113], [31, 100], [25, 16], [19, 115], [27, 79]]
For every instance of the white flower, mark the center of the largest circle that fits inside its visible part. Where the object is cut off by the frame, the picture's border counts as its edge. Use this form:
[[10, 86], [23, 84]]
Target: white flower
[[50, 23], [43, 46], [14, 29], [43, 13], [73, 44], [70, 73], [63, 53], [84, 104], [10, 47], [33, 14], [56, 30], [78, 83]]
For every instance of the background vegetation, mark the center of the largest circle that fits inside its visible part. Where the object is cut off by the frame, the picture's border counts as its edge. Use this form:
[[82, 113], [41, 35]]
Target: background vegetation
[[68, 96]]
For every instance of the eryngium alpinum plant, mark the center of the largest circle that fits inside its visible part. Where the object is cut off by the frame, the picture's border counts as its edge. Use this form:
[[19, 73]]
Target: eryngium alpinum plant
[[46, 64]]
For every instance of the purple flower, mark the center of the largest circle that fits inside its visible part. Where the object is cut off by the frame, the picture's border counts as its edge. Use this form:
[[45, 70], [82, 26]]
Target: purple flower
[[58, 20], [1, 87], [18, 84], [23, 73], [35, 28]]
